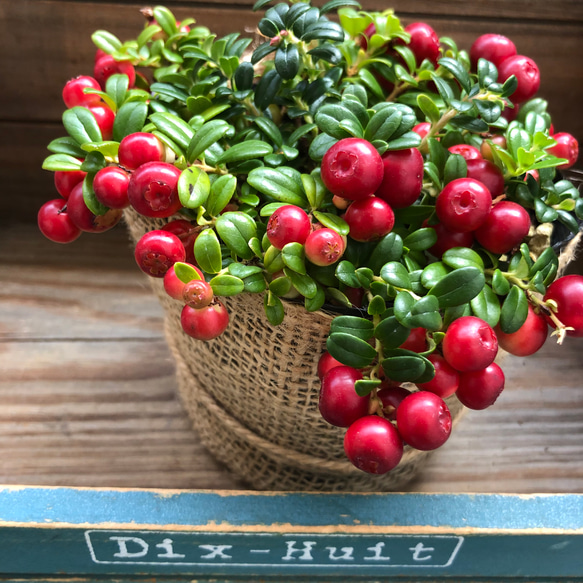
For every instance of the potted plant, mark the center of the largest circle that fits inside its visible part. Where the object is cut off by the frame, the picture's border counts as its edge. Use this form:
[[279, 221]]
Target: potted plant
[[344, 221]]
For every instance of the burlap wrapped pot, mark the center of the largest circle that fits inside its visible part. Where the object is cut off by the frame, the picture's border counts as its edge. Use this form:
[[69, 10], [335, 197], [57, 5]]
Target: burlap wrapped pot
[[252, 395]]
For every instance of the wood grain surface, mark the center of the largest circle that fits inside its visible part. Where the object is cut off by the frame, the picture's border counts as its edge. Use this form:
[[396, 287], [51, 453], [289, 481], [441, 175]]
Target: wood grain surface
[[88, 391]]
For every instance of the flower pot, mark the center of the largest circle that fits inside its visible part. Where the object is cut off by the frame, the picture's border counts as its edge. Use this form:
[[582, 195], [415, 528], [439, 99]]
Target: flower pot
[[252, 395]]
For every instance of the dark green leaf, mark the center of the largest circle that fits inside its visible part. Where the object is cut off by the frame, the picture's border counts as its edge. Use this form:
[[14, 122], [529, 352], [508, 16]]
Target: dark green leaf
[[207, 251], [267, 89], [262, 51], [391, 333], [66, 145], [396, 274], [243, 76], [350, 350], [365, 386], [458, 287], [324, 30], [433, 273], [273, 309], [303, 283], [417, 313], [408, 140], [428, 107], [472, 124], [458, 72], [116, 87], [210, 133], [514, 310], [174, 127], [359, 327], [455, 167], [245, 151], [130, 119], [93, 163], [89, 197], [389, 248], [443, 88], [333, 5], [377, 306], [500, 284], [169, 90], [462, 257], [277, 185], [421, 239], [280, 286], [315, 303], [404, 365], [365, 276], [320, 145], [287, 61], [193, 187], [329, 117], [346, 274], [222, 190], [326, 52]]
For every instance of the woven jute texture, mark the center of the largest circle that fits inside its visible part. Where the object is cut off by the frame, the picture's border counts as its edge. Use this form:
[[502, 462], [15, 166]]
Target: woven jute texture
[[252, 395]]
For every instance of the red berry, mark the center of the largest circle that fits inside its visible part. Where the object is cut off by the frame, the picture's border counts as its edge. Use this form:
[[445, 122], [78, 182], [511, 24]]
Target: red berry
[[486, 149], [416, 341], [153, 189], [84, 218], [527, 74], [288, 224], [139, 148], [66, 181], [187, 233], [566, 147], [373, 445], [73, 91], [446, 379], [424, 421], [98, 54], [402, 177], [324, 247], [206, 323], [488, 174], [567, 292], [107, 66], [528, 339], [369, 219], [505, 227], [197, 293], [339, 404], [447, 239], [104, 118], [111, 187], [466, 151], [424, 42], [469, 344], [391, 397], [366, 34], [492, 47], [422, 128], [480, 389], [54, 222], [326, 362], [463, 205], [157, 251], [174, 286], [352, 169]]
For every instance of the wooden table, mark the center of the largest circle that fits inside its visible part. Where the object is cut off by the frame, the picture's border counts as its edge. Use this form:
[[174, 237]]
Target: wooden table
[[87, 388]]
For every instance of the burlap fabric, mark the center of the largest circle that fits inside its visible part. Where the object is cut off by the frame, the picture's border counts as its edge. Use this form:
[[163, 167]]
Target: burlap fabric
[[252, 395]]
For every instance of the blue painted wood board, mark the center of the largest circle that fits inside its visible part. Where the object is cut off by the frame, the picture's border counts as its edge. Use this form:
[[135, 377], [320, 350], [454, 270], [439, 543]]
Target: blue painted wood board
[[98, 534]]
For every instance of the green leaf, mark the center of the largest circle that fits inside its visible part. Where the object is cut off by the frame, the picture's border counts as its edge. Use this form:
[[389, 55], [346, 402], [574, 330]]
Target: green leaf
[[276, 185], [227, 285], [500, 284], [287, 61], [247, 150], [458, 72], [270, 129], [333, 5], [359, 327], [66, 145], [62, 163], [209, 134], [185, 272], [273, 309], [396, 274], [333, 222], [417, 313], [81, 125], [350, 350], [365, 276], [93, 163], [194, 187], [280, 286], [302, 282], [262, 51], [455, 167], [324, 30], [106, 41], [130, 118], [433, 273], [272, 260], [222, 190], [486, 306], [404, 365], [174, 127], [428, 107], [89, 197], [514, 310], [458, 287], [389, 248], [106, 149], [365, 386], [320, 145], [377, 306], [293, 257], [267, 89], [116, 87], [346, 274], [236, 229], [165, 19], [207, 251], [421, 239], [391, 332], [458, 257], [315, 303], [329, 117]]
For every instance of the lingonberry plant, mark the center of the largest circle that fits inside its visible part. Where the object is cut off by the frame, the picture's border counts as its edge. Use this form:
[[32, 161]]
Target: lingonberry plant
[[352, 164]]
